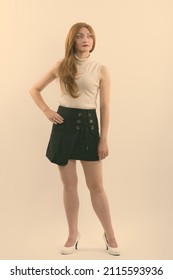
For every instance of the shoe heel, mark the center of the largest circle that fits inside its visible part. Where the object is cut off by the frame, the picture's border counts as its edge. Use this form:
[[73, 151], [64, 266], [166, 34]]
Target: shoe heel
[[69, 250], [111, 250]]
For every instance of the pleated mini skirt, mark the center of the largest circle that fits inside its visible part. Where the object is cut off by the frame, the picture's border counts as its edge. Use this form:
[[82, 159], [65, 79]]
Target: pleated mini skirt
[[76, 138]]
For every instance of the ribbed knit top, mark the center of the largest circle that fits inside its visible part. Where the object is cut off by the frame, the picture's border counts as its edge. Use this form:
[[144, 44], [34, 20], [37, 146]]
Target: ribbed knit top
[[87, 79]]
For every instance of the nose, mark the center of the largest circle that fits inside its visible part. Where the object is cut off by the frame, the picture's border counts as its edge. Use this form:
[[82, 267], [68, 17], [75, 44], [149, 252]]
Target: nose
[[84, 39]]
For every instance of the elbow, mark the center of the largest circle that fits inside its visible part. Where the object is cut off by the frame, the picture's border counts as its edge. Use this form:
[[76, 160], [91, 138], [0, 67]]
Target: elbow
[[33, 91]]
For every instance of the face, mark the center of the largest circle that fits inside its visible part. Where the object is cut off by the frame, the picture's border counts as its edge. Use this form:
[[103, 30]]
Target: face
[[83, 41]]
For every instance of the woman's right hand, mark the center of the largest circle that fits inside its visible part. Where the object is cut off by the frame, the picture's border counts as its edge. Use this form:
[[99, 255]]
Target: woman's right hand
[[53, 116]]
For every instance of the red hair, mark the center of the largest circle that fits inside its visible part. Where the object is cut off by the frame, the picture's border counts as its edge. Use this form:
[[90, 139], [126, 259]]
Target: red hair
[[67, 69]]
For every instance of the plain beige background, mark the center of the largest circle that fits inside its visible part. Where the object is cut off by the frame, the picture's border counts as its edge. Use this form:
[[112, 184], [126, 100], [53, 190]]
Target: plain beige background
[[134, 40]]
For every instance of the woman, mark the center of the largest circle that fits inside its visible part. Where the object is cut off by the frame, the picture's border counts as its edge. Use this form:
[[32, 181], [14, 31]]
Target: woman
[[75, 134]]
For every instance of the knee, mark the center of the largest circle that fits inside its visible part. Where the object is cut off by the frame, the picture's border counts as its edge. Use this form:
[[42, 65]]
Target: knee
[[95, 187], [70, 185]]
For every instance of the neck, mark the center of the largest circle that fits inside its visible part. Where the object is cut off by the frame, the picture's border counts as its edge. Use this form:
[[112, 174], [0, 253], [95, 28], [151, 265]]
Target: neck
[[82, 54]]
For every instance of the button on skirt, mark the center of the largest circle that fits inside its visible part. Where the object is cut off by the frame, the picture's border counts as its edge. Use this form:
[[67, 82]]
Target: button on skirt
[[76, 138]]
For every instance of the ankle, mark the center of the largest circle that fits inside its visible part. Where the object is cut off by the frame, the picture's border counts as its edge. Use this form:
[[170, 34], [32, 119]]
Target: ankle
[[72, 234], [71, 239], [111, 241]]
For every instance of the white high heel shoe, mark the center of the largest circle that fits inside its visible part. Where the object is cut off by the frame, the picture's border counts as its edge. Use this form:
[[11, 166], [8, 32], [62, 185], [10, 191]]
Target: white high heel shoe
[[111, 250], [69, 250]]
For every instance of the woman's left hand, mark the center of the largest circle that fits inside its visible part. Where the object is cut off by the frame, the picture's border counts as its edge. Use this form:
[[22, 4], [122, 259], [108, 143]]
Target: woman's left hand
[[102, 149]]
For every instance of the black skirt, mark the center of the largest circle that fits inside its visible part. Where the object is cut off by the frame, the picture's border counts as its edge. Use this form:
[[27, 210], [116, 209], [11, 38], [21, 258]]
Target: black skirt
[[76, 138]]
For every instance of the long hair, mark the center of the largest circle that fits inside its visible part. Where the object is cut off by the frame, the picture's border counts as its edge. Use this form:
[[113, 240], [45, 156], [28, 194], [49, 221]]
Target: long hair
[[67, 69]]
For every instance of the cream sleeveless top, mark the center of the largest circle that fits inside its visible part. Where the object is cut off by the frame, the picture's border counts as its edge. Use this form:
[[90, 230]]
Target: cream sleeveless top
[[88, 80]]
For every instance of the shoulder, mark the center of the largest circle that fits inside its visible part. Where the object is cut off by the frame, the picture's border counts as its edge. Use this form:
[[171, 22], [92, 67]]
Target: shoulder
[[96, 63], [56, 66], [104, 72], [102, 67], [53, 69], [59, 62]]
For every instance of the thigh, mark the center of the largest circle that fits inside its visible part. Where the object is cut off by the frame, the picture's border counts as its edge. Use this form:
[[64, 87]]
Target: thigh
[[68, 174], [93, 173]]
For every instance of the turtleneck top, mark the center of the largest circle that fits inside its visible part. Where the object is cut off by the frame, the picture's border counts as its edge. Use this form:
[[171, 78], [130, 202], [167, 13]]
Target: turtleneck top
[[88, 80]]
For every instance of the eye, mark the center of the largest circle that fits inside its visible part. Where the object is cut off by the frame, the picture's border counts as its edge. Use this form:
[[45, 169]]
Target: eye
[[79, 36]]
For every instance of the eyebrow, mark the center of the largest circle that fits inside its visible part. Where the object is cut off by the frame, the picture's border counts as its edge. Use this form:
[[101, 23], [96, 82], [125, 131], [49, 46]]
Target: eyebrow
[[84, 33]]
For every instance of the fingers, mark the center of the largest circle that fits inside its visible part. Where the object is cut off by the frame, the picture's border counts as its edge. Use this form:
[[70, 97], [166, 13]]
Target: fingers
[[102, 150], [102, 154], [56, 118]]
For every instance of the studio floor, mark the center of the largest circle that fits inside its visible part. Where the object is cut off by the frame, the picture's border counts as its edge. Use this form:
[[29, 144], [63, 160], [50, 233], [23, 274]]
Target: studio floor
[[147, 240]]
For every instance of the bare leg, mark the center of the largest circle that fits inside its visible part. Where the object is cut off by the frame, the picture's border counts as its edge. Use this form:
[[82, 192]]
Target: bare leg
[[71, 201], [93, 176]]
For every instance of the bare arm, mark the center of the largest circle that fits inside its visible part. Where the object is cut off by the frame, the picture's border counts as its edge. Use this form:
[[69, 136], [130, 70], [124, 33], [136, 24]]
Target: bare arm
[[104, 112], [35, 92]]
